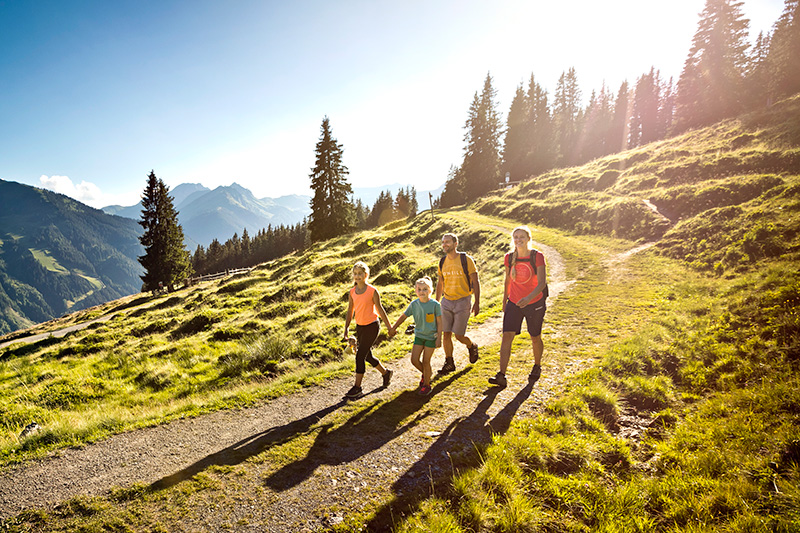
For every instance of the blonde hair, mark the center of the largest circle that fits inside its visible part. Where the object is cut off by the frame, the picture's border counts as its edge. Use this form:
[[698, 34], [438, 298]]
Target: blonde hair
[[425, 280], [361, 265], [527, 232]]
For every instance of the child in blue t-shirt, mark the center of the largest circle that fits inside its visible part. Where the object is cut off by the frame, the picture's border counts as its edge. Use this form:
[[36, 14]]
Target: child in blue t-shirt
[[427, 315]]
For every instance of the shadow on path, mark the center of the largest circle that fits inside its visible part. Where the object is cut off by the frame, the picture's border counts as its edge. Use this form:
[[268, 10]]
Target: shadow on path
[[369, 429], [249, 447], [474, 430]]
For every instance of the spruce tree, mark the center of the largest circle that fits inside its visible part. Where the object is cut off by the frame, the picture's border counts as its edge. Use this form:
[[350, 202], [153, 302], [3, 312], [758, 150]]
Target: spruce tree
[[618, 133], [710, 87], [517, 142], [331, 207], [539, 131], [481, 166], [567, 117], [783, 59], [165, 261]]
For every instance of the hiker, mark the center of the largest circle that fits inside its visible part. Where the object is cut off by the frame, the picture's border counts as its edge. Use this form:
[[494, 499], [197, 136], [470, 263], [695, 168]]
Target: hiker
[[364, 303], [458, 280], [524, 296], [427, 315]]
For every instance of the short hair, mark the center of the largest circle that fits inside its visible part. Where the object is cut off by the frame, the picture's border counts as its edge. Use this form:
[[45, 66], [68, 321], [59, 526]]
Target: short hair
[[425, 280], [452, 236], [361, 265]]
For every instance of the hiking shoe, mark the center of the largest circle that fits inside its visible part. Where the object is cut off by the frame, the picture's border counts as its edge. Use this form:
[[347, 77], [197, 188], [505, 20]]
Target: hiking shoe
[[449, 366], [354, 393], [424, 390], [535, 373], [421, 381], [473, 353], [387, 377], [498, 379]]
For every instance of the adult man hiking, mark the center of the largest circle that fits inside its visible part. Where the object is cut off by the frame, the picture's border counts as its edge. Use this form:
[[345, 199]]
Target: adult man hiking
[[458, 281]]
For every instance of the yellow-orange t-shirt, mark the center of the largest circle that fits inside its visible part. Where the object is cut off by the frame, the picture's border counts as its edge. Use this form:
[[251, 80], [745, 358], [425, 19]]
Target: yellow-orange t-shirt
[[453, 279]]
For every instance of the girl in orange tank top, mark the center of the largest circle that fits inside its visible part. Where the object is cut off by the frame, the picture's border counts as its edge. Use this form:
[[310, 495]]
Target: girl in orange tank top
[[364, 304]]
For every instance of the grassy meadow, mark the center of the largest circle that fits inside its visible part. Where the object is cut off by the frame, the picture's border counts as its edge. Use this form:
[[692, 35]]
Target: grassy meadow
[[697, 339]]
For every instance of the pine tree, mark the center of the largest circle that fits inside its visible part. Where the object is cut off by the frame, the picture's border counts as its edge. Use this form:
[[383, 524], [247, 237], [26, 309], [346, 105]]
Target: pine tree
[[481, 167], [539, 131], [644, 125], [331, 207], [517, 142], [710, 87], [453, 193], [618, 132], [598, 122], [784, 52], [567, 117], [382, 211], [165, 261]]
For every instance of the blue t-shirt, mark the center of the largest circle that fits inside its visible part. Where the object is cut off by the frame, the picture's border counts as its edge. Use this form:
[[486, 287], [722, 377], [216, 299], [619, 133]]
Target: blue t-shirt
[[424, 318]]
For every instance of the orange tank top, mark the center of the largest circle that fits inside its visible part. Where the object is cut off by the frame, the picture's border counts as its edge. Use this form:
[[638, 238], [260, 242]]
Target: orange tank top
[[364, 306]]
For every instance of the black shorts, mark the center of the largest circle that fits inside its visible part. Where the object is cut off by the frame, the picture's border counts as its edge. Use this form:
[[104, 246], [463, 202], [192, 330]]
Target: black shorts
[[533, 314]]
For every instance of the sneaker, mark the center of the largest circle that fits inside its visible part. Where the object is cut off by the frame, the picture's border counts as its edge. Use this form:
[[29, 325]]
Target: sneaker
[[449, 366], [424, 390], [473, 353], [421, 381], [535, 373], [499, 379], [387, 377], [354, 393]]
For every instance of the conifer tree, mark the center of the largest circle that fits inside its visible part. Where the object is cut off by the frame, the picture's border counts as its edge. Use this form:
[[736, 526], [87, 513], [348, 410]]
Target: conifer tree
[[597, 123], [539, 131], [644, 124], [618, 132], [481, 167], [783, 58], [710, 87], [453, 193], [517, 142], [567, 117], [165, 260], [331, 207]]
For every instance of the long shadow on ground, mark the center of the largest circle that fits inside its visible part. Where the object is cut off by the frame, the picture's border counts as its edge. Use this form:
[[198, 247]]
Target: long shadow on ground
[[249, 447], [368, 430], [453, 449]]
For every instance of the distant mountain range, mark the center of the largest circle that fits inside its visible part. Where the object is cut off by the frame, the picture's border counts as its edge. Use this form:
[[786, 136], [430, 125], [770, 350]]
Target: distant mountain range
[[58, 255], [207, 214]]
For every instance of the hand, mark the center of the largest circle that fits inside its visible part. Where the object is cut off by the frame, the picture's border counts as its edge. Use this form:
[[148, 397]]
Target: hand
[[438, 342], [392, 332], [476, 308]]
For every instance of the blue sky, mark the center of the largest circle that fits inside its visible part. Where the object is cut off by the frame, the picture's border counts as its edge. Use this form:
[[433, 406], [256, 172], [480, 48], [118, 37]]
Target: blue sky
[[95, 94]]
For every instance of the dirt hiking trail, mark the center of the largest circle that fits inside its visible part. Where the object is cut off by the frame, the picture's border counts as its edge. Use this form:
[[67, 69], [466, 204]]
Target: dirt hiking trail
[[389, 444]]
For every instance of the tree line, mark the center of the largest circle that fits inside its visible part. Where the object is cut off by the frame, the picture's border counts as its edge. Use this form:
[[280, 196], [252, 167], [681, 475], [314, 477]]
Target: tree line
[[723, 76]]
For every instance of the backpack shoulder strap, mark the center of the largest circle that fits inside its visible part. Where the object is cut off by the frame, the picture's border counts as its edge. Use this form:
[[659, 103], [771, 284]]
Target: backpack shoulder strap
[[466, 268]]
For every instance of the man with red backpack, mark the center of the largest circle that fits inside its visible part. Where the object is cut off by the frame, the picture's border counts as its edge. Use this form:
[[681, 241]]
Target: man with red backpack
[[457, 282]]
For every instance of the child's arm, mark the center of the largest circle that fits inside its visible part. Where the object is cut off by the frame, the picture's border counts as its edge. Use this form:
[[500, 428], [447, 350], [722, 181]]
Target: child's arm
[[400, 320], [376, 299], [439, 331], [349, 316]]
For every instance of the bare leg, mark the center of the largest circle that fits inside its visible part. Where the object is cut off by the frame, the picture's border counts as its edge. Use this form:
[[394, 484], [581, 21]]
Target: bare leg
[[447, 344], [426, 365], [538, 349], [463, 339], [505, 349]]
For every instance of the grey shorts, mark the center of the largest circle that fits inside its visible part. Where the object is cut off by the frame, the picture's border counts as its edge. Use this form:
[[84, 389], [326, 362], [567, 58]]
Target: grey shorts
[[455, 314]]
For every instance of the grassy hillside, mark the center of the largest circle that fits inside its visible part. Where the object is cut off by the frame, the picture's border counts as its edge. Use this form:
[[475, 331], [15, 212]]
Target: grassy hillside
[[698, 339]]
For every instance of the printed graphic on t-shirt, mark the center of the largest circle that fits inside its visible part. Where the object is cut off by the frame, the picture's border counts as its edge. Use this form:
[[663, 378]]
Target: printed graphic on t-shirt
[[524, 272]]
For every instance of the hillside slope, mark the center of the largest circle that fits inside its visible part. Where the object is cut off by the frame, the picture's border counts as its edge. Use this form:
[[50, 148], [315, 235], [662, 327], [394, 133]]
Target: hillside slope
[[726, 195], [58, 255]]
